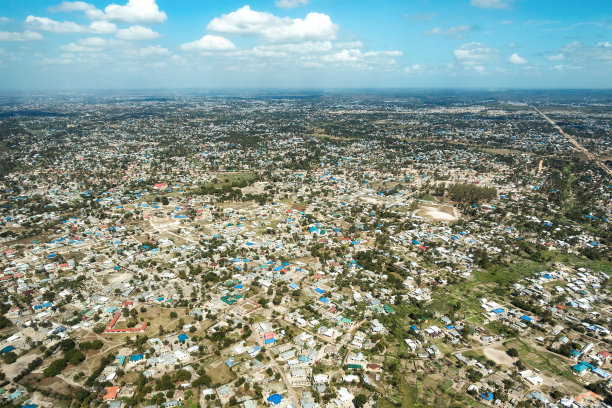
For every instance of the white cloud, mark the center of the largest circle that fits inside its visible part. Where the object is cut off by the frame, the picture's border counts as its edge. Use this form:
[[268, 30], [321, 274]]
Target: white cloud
[[449, 32], [136, 11], [492, 4], [349, 44], [46, 24], [308, 47], [291, 3], [90, 11], [343, 56], [516, 59], [363, 59], [580, 54], [4, 20], [102, 27], [557, 57], [244, 21], [152, 51], [415, 68], [20, 37], [68, 27], [474, 55], [137, 33], [209, 43], [93, 42], [76, 48]]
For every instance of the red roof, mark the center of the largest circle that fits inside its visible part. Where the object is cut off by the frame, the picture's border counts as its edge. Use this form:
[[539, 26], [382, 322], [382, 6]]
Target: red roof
[[111, 392], [604, 354]]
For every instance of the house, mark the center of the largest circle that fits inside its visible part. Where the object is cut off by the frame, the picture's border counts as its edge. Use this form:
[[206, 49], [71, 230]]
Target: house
[[111, 393], [344, 395], [320, 378]]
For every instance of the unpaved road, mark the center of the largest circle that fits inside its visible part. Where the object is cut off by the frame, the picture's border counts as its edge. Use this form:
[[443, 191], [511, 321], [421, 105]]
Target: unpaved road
[[577, 146]]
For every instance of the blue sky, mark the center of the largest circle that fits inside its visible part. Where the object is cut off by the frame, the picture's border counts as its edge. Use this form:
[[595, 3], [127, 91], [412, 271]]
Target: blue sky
[[130, 44]]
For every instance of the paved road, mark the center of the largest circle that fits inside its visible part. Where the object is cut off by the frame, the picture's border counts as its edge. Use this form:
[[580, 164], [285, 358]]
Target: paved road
[[577, 146]]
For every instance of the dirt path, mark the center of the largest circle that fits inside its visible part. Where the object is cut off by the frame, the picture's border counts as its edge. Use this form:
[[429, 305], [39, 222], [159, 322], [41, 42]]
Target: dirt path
[[577, 146], [292, 394], [164, 229]]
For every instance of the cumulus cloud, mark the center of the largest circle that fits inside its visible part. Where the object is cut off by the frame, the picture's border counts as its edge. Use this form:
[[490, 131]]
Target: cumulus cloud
[[136, 11], [307, 47], [90, 11], [456, 31], [516, 59], [364, 59], [76, 48], [474, 55], [492, 4], [137, 33], [20, 37], [68, 27], [93, 42], [291, 3], [209, 43], [244, 21], [4, 20], [47, 24], [102, 27]]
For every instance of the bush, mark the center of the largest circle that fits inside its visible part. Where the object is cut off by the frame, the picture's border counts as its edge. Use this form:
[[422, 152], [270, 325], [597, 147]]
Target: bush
[[91, 345], [512, 352], [4, 322], [9, 358]]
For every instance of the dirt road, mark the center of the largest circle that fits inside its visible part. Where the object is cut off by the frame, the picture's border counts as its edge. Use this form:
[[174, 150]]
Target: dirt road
[[292, 394], [577, 146]]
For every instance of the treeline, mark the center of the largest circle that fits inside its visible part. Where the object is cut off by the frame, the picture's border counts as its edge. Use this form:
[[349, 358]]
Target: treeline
[[71, 356], [33, 364]]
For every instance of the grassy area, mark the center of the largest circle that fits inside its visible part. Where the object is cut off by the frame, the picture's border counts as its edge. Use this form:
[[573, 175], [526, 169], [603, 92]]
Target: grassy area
[[426, 392], [507, 275], [191, 403], [220, 373], [546, 362], [224, 179]]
